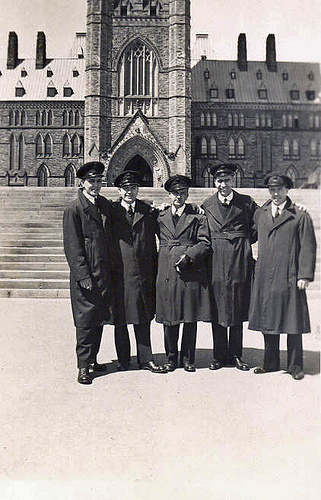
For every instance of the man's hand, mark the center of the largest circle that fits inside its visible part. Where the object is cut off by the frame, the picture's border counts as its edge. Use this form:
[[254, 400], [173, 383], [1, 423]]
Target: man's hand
[[182, 263], [162, 207], [303, 284], [86, 283], [300, 207]]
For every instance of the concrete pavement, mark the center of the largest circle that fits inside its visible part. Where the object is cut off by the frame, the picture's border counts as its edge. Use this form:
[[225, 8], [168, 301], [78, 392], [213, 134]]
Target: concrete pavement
[[139, 436]]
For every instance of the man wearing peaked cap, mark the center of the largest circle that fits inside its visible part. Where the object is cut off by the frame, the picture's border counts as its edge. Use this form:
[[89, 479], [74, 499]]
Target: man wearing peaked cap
[[90, 169], [284, 269], [230, 219], [128, 178], [177, 180], [88, 245], [134, 225], [182, 288], [276, 179]]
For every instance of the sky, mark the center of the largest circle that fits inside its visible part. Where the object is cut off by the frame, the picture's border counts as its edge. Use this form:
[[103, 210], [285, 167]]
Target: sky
[[296, 24]]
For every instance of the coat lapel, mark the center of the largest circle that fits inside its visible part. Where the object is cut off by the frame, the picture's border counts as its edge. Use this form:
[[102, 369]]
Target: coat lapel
[[184, 221], [214, 210], [140, 211], [89, 208], [287, 213], [167, 219]]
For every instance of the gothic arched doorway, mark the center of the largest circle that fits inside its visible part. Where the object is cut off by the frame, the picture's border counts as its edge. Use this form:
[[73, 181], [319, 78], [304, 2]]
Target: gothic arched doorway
[[140, 165]]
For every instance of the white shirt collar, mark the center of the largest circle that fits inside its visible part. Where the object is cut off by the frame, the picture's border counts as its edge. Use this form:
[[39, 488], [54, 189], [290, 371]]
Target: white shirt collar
[[229, 198], [89, 197], [280, 207], [127, 205], [178, 211]]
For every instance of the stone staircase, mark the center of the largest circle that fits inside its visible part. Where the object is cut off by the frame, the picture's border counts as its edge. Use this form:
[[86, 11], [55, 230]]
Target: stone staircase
[[32, 261]]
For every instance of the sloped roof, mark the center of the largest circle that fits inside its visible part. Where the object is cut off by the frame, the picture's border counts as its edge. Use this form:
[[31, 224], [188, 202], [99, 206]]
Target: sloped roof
[[37, 81], [246, 83]]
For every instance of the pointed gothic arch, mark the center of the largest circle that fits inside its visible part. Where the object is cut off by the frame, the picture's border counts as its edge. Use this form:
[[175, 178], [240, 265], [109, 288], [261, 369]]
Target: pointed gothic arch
[[70, 175], [43, 175]]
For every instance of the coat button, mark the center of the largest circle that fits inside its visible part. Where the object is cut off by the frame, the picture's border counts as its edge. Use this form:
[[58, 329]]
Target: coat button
[[167, 279]]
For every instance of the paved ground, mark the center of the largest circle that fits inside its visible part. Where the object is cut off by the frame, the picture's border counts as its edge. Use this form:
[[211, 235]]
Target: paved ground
[[138, 436]]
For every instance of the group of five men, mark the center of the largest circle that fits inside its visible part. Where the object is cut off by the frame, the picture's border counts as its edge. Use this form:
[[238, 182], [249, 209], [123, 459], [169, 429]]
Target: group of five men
[[129, 260]]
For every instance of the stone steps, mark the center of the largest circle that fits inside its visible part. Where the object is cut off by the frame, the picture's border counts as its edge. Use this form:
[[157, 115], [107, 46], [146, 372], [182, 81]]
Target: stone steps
[[32, 262]]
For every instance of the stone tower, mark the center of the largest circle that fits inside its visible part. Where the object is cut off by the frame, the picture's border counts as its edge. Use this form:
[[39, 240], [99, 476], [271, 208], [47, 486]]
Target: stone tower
[[138, 87]]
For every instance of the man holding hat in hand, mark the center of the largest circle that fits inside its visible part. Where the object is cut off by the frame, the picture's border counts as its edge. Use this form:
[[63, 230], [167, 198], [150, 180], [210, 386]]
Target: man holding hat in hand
[[230, 219], [134, 225], [182, 289], [88, 247], [284, 269]]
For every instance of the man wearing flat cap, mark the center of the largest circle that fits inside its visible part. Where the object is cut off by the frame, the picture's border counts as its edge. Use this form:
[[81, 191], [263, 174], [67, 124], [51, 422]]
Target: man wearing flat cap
[[284, 269], [134, 225], [230, 219], [88, 247], [182, 288]]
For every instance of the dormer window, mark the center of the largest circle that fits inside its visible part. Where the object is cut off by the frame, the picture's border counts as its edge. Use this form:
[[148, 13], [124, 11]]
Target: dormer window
[[20, 91], [262, 93], [75, 72], [51, 90], [311, 75], [295, 95], [24, 72], [49, 73], [206, 74], [310, 95], [68, 92], [233, 75], [285, 76], [213, 93], [259, 75], [230, 93]]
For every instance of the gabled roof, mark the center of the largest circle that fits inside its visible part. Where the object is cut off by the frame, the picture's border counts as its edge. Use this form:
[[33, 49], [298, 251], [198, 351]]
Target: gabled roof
[[36, 82], [246, 84]]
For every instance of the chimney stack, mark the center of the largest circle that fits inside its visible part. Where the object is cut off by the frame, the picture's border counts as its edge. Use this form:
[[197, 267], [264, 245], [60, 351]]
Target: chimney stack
[[242, 52], [12, 60], [271, 53], [41, 57]]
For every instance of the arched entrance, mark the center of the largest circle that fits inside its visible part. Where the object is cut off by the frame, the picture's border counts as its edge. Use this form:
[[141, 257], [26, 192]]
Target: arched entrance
[[140, 165]]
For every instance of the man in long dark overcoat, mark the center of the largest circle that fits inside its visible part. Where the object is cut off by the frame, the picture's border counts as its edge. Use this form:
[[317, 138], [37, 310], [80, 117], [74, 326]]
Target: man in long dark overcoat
[[134, 225], [230, 219], [89, 251], [284, 269], [182, 289]]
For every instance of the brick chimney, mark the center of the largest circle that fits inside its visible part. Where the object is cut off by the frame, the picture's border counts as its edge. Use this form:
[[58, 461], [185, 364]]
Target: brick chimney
[[41, 57], [12, 60], [242, 52], [271, 53]]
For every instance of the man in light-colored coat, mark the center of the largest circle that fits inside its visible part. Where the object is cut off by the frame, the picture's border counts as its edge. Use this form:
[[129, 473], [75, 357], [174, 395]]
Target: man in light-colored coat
[[285, 267]]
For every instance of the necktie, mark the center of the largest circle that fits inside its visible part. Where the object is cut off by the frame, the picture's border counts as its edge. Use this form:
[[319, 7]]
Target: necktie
[[225, 202], [130, 214], [277, 213], [97, 206], [175, 218]]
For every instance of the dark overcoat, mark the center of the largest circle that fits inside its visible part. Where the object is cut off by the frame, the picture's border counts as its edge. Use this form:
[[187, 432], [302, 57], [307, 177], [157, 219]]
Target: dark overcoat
[[232, 261], [183, 298], [88, 247], [137, 262], [286, 253]]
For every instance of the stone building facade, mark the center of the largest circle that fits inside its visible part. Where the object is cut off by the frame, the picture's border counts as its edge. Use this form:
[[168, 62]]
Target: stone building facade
[[128, 97]]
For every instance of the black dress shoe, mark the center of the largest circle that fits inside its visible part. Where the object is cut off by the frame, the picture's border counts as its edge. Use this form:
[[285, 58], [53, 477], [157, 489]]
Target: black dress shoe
[[189, 367], [216, 365], [152, 367], [298, 375], [259, 369], [83, 376], [170, 366], [98, 367], [239, 364]]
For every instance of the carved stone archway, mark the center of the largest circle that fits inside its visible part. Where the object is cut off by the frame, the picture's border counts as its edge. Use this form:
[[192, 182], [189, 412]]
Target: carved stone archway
[[138, 146]]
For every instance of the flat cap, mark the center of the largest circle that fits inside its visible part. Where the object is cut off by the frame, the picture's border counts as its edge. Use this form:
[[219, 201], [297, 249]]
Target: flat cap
[[127, 178], [177, 181], [224, 168], [91, 168], [277, 179]]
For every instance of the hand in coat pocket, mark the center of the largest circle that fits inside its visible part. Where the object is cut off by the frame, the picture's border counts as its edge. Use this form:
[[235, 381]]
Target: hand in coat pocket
[[182, 263]]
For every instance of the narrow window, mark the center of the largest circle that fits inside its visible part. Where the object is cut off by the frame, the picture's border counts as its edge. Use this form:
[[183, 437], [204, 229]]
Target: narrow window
[[313, 149], [48, 145], [286, 148], [213, 147], [262, 93], [295, 148], [66, 145], [204, 146], [202, 119], [214, 119], [231, 148], [229, 120], [39, 145]]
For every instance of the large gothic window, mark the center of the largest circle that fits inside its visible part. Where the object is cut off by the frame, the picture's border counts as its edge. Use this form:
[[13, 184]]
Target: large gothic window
[[138, 80]]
